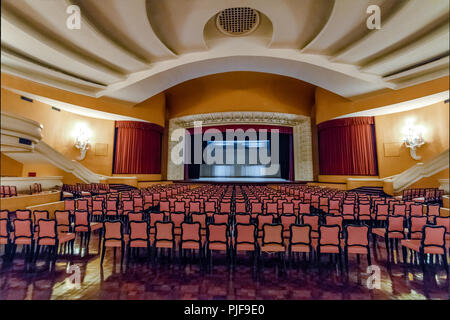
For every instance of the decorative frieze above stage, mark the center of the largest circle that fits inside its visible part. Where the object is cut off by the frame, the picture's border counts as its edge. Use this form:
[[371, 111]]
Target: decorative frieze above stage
[[303, 163]]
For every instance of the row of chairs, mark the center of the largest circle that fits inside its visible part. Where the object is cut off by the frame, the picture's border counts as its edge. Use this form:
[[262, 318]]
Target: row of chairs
[[8, 191]]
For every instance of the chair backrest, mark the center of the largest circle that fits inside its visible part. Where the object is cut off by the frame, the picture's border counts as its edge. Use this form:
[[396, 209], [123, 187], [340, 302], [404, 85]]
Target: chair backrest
[[312, 220], [177, 219], [217, 233], [264, 219], [47, 229], [69, 204], [444, 222], [113, 230], [164, 206], [329, 235], [382, 209], [416, 226], [4, 228], [256, 208], [156, 217], [433, 236], [240, 208], [304, 208], [287, 220], [400, 209], [62, 220], [271, 208], [210, 206], [164, 230], [23, 228], [272, 234], [82, 204], [416, 210], [190, 231], [357, 235], [4, 214], [139, 230], [200, 218], [364, 209], [245, 233], [288, 208], [38, 215], [300, 234], [334, 204], [194, 207], [348, 209], [111, 205], [128, 205], [81, 218], [225, 207], [242, 218], [135, 216], [23, 214], [395, 224], [220, 218], [433, 210], [334, 220], [97, 205], [180, 207]]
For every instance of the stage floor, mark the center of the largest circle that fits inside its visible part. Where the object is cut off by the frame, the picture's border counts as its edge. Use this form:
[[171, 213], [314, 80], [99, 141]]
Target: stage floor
[[239, 179]]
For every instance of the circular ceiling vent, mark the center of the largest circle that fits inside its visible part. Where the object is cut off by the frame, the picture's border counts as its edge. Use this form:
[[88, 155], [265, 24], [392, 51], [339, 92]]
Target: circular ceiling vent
[[237, 21]]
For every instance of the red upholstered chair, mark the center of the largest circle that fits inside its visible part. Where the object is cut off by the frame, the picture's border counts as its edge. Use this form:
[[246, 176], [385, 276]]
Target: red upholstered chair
[[242, 218], [432, 242], [195, 207], [334, 206], [98, 209], [272, 209], [164, 236], [288, 208], [304, 208], [135, 216], [47, 235], [217, 239], [381, 212], [180, 207], [83, 226], [82, 205], [225, 207], [113, 237], [23, 235], [69, 204], [5, 236], [334, 220], [300, 240], [329, 241], [433, 211], [210, 208], [190, 238], [313, 221], [272, 241], [324, 204], [138, 204], [139, 237], [148, 201], [357, 242], [164, 207], [399, 210], [245, 240], [393, 231], [287, 220], [444, 222]]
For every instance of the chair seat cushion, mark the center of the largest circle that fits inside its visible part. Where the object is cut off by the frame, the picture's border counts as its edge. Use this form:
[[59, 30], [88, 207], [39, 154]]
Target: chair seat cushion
[[66, 237], [164, 244], [190, 245], [217, 246], [329, 249], [245, 247], [138, 244], [273, 248], [300, 248], [379, 232]]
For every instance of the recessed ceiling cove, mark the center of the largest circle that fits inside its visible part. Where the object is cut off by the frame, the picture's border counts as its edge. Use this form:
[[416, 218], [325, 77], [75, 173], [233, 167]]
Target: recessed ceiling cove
[[237, 21]]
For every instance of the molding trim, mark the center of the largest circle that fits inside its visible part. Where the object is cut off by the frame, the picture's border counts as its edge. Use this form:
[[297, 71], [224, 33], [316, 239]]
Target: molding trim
[[303, 164]]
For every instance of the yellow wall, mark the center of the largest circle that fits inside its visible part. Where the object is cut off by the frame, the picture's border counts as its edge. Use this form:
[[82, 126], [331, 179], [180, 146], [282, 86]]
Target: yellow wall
[[434, 118], [23, 201], [10, 167], [240, 91], [151, 110], [330, 105], [431, 182], [57, 132]]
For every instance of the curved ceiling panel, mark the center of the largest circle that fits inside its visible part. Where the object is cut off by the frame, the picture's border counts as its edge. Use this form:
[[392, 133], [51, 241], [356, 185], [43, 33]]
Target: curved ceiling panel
[[346, 85], [135, 49]]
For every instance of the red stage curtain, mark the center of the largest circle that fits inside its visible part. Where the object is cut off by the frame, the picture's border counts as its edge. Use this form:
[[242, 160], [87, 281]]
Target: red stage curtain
[[137, 148], [348, 147]]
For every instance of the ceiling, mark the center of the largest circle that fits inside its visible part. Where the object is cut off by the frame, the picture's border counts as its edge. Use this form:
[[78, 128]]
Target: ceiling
[[132, 50]]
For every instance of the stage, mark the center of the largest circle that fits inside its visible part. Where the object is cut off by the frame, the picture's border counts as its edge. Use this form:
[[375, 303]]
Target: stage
[[239, 180]]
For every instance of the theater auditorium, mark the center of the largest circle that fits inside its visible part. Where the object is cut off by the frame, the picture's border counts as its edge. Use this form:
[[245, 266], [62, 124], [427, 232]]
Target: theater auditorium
[[224, 150]]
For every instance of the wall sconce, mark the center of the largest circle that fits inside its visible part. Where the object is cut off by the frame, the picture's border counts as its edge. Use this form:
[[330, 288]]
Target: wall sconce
[[82, 134], [413, 138]]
